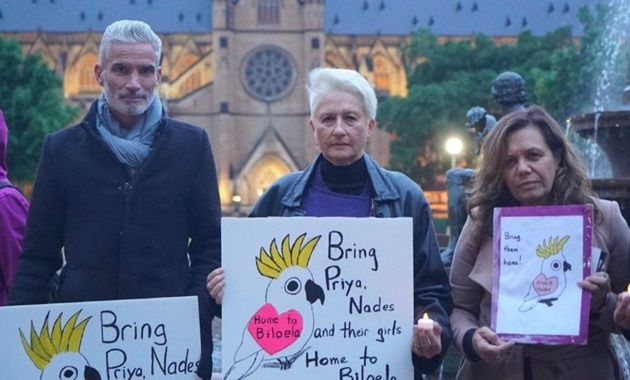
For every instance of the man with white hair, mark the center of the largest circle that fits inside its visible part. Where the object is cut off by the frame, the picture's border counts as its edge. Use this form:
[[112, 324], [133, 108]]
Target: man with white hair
[[130, 195]]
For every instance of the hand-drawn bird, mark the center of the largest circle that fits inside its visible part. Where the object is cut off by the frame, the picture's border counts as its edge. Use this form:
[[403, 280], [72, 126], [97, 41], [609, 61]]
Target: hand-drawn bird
[[56, 353], [277, 334], [550, 283]]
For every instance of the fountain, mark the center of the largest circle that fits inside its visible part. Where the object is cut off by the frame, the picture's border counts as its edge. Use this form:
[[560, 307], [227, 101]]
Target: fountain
[[611, 132], [609, 127], [609, 124]]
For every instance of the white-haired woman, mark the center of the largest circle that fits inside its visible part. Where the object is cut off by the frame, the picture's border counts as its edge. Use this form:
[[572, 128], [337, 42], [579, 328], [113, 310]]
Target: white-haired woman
[[344, 181]]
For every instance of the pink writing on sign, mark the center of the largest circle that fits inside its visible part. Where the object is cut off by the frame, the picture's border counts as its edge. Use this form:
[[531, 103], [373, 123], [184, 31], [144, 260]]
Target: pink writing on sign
[[274, 332]]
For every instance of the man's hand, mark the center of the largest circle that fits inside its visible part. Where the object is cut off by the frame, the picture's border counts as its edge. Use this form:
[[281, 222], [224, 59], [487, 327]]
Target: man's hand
[[215, 282]]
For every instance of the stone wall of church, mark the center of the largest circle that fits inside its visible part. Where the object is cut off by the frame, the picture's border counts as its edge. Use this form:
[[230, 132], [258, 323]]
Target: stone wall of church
[[205, 84]]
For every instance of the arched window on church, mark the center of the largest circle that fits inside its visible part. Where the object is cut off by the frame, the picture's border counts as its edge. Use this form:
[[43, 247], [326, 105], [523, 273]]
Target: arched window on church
[[381, 74], [262, 174], [191, 83], [333, 60], [87, 81], [269, 12], [229, 15], [183, 63]]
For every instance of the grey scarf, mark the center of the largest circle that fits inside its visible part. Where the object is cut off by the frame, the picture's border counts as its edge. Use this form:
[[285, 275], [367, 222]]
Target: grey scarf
[[131, 147]]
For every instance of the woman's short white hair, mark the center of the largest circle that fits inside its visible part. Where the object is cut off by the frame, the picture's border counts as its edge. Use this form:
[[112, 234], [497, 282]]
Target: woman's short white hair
[[321, 81], [129, 31]]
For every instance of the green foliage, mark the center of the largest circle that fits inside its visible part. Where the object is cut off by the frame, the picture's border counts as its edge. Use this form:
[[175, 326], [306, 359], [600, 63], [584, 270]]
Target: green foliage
[[33, 105], [446, 80]]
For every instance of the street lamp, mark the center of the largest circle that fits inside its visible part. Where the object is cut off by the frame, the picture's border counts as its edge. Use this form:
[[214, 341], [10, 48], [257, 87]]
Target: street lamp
[[454, 146], [236, 202]]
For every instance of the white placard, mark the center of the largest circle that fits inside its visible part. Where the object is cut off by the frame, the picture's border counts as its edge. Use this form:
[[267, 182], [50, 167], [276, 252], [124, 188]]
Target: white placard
[[317, 298], [540, 254], [150, 339]]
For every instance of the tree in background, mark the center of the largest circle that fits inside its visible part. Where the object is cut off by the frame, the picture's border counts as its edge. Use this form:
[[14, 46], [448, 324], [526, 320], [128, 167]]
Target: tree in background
[[445, 80], [32, 101]]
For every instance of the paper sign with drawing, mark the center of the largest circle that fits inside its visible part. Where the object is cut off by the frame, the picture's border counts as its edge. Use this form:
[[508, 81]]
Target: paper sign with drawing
[[317, 298], [540, 253], [147, 339]]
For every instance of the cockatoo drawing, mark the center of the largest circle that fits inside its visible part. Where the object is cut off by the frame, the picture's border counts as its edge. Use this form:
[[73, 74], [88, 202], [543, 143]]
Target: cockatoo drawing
[[56, 353], [549, 284], [277, 334]]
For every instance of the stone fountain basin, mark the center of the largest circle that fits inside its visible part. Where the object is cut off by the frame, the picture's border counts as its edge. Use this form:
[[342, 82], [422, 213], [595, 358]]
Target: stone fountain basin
[[611, 131]]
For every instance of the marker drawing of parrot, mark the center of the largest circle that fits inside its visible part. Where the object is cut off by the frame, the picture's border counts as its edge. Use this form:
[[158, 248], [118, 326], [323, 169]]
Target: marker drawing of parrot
[[550, 283], [277, 334], [56, 353]]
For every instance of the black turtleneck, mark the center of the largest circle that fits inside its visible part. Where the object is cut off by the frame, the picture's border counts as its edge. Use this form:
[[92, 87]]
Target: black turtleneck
[[349, 179]]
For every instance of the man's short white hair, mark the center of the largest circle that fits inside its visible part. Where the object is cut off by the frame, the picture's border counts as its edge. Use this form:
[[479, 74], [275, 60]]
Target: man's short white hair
[[129, 31]]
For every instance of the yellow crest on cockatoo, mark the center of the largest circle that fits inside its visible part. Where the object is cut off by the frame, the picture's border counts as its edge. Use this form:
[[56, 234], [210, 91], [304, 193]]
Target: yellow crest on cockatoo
[[271, 264], [47, 344], [551, 246]]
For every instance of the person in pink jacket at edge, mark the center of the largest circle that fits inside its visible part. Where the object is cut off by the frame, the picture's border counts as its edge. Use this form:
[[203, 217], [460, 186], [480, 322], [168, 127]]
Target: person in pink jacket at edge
[[13, 213]]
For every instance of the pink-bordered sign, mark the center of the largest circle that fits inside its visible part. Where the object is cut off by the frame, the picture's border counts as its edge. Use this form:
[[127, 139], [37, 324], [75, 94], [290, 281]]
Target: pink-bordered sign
[[540, 253]]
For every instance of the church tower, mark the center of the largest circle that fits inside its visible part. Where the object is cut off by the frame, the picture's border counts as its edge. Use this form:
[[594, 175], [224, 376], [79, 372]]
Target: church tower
[[262, 51]]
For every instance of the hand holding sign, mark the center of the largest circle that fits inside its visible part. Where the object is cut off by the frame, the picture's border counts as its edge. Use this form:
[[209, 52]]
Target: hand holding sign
[[215, 282], [599, 286]]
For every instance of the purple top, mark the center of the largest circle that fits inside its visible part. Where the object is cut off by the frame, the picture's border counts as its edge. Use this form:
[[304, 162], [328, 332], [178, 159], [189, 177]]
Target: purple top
[[319, 200], [13, 212]]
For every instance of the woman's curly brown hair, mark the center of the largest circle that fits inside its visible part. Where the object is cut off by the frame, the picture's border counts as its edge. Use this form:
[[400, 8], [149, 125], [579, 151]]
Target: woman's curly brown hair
[[488, 190]]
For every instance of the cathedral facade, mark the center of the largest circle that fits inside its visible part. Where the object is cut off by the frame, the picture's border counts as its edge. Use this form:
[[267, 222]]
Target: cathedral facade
[[237, 68]]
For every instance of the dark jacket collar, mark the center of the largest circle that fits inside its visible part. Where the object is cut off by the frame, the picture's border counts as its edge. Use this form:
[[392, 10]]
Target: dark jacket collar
[[384, 190]]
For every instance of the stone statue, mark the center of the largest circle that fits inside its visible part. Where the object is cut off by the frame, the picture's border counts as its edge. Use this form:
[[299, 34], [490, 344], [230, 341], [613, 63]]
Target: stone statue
[[508, 89], [456, 181], [479, 123]]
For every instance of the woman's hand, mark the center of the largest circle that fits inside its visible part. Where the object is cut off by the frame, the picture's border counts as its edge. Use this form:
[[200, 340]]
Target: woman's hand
[[622, 311], [489, 346], [427, 342], [599, 285], [215, 282]]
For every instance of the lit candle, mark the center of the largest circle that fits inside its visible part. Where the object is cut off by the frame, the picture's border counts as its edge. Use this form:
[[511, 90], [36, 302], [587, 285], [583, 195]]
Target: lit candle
[[628, 288], [425, 322]]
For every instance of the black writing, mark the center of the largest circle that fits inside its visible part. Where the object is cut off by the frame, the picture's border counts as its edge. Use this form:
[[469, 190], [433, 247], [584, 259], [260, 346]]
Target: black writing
[[112, 332], [337, 252], [361, 307]]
